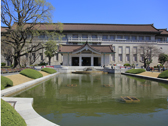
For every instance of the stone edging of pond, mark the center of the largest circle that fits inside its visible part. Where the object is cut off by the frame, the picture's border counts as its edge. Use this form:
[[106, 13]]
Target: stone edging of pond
[[24, 105], [17, 88], [147, 77]]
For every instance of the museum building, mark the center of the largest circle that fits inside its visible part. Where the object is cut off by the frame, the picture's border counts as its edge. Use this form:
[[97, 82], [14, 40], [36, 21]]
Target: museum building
[[87, 44]]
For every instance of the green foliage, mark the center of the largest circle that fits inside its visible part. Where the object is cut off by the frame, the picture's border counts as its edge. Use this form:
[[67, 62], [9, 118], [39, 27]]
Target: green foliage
[[9, 116], [3, 64], [42, 64], [51, 48], [49, 70], [5, 82], [31, 73], [127, 64], [135, 71], [163, 58], [164, 74]]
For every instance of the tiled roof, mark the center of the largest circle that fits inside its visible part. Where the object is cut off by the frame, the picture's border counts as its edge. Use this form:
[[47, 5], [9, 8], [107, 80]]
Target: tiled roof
[[85, 27], [163, 31], [74, 48], [109, 27]]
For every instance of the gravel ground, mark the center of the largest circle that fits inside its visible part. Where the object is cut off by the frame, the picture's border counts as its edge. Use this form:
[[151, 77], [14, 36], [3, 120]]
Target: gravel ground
[[150, 74], [19, 79]]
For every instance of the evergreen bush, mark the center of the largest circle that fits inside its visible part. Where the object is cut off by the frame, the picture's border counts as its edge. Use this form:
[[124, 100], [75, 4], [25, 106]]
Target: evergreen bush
[[9, 116], [49, 70], [5, 82], [135, 71], [34, 74], [164, 74]]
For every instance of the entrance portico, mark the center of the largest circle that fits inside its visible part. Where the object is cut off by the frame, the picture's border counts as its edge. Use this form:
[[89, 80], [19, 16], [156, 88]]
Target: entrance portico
[[86, 55]]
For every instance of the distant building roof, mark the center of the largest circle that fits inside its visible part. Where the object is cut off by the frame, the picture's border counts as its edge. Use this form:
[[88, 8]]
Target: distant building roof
[[91, 27], [4, 29], [163, 31]]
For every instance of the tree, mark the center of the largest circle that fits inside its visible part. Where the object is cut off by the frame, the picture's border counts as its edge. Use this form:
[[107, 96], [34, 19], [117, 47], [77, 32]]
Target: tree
[[163, 58], [51, 49], [147, 52], [7, 52], [23, 19]]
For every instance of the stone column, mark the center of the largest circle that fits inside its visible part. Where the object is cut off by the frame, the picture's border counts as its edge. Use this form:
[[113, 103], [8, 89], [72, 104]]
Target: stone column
[[92, 59], [80, 60]]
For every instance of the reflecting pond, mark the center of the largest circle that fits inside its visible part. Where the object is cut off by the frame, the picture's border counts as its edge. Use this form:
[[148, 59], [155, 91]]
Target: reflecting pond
[[94, 100]]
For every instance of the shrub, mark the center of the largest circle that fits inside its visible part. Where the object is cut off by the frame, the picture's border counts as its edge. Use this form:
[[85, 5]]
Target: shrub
[[42, 64], [164, 74], [127, 64], [5, 82], [31, 73], [9, 116], [3, 64], [135, 71], [49, 70]]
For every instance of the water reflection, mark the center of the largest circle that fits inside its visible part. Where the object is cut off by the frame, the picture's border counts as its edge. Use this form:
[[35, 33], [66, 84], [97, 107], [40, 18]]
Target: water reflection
[[96, 96]]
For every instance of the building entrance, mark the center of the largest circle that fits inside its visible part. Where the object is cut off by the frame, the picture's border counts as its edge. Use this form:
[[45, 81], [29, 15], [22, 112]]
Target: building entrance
[[75, 61], [86, 61]]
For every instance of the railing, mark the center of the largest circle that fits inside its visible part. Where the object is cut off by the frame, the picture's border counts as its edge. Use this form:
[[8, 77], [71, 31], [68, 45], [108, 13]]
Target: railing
[[97, 40]]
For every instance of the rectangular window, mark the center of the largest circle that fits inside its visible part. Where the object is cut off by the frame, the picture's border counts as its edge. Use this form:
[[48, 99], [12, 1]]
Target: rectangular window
[[120, 57], [119, 37], [127, 50], [135, 50], [127, 57], [135, 57], [113, 48], [134, 38], [74, 36], [42, 36], [84, 36], [142, 58], [126, 37], [120, 49], [56, 56], [64, 37], [141, 38], [105, 37], [113, 57], [41, 56], [112, 37], [34, 56], [148, 38], [159, 39], [94, 36]]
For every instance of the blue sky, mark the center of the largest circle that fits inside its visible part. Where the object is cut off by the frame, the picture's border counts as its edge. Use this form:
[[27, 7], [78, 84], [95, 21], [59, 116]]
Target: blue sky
[[111, 11]]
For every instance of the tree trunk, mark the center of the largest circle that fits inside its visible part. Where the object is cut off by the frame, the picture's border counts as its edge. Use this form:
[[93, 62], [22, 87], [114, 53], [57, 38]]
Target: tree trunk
[[49, 58]]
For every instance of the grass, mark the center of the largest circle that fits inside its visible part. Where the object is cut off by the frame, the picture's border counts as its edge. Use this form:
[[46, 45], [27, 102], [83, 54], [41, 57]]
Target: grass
[[9, 116], [135, 71], [31, 73], [49, 70], [5, 82], [164, 74]]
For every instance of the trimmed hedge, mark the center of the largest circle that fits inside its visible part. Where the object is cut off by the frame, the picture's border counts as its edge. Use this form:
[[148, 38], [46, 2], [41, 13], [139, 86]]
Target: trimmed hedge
[[34, 74], [164, 74], [5, 82], [135, 71], [9, 116], [49, 70]]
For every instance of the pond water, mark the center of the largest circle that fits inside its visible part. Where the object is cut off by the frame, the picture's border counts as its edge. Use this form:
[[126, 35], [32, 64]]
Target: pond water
[[94, 100]]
